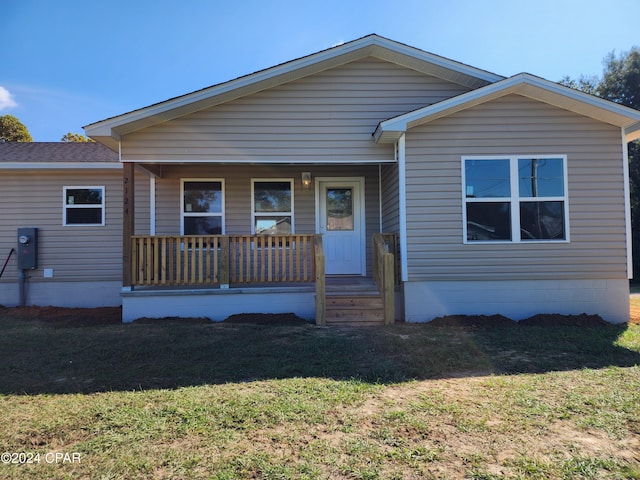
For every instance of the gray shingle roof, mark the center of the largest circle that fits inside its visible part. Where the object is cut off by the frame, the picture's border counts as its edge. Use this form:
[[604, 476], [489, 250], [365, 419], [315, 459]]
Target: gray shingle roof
[[53, 152]]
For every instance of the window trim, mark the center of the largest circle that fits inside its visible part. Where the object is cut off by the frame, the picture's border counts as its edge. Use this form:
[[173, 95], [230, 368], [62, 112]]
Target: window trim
[[255, 214], [515, 199], [65, 207], [184, 214]]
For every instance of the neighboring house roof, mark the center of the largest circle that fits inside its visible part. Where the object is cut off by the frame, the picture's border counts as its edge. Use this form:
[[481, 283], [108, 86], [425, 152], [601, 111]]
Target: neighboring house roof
[[524, 84], [109, 131], [57, 155]]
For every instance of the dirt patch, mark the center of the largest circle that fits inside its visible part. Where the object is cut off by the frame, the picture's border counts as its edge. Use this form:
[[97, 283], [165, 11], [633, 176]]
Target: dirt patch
[[66, 317], [583, 320], [267, 319], [540, 320], [86, 317], [189, 320], [472, 321]]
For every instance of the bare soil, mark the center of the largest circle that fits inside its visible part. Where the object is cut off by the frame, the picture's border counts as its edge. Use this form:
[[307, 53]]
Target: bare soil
[[66, 317], [83, 317]]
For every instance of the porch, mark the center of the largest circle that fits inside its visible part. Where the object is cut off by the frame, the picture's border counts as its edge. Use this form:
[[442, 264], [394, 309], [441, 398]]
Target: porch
[[218, 275]]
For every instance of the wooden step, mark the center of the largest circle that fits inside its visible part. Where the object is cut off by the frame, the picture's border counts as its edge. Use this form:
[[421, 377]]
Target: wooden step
[[354, 309]]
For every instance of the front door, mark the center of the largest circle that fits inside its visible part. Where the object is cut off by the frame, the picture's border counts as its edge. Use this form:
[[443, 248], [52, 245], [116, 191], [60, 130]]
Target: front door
[[341, 223]]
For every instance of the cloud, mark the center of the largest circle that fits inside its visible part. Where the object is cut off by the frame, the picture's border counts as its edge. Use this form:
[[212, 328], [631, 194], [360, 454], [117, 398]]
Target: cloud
[[6, 99]]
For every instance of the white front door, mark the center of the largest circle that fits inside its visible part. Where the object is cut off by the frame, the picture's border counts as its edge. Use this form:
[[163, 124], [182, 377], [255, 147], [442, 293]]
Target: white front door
[[341, 222]]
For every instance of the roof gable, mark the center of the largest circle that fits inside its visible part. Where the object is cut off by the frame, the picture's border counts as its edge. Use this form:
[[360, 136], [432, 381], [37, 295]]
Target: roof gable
[[522, 84], [110, 130]]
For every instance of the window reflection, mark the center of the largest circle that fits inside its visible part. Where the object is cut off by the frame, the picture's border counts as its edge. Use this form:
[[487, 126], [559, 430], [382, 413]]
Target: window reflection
[[202, 208], [339, 209], [542, 220], [488, 221], [540, 177], [487, 179]]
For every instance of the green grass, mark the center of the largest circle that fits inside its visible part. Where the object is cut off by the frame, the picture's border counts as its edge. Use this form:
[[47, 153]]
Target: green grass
[[243, 401]]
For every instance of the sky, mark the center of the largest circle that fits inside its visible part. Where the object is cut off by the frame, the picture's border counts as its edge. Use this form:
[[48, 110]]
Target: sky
[[69, 63]]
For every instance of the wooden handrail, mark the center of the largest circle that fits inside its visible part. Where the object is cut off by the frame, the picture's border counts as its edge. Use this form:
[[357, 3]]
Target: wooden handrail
[[221, 259], [384, 273], [319, 263]]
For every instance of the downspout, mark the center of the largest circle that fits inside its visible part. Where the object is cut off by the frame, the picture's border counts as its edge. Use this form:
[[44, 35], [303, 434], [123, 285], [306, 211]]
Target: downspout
[[380, 196], [402, 199], [152, 205], [22, 297], [627, 205]]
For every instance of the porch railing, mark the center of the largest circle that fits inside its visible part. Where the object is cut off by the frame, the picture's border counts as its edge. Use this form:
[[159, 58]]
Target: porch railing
[[222, 259], [385, 272]]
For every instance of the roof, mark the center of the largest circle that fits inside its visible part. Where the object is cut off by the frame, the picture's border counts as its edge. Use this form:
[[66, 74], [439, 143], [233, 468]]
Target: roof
[[109, 131], [524, 84], [56, 155]]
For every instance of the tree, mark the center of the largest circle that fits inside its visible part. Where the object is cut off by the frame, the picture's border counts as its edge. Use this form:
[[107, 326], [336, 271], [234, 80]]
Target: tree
[[584, 83], [75, 137], [621, 80], [620, 83], [13, 130]]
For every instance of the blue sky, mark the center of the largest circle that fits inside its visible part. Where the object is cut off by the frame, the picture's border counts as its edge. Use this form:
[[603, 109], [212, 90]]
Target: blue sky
[[68, 63]]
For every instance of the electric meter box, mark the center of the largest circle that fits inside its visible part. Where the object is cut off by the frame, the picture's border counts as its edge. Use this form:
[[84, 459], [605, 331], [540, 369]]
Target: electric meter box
[[27, 248]]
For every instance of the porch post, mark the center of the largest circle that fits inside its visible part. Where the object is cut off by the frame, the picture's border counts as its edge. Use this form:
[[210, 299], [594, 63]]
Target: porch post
[[128, 221], [320, 281]]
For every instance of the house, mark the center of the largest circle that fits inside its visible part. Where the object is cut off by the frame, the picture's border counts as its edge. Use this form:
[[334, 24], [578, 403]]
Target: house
[[457, 190]]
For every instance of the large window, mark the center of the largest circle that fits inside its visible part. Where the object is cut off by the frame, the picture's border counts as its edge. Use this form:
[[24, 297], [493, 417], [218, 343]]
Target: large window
[[83, 206], [515, 199], [272, 206], [202, 207]]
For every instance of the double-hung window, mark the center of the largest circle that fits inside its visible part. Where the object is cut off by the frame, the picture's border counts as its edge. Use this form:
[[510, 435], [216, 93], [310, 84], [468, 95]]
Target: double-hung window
[[202, 207], [272, 206], [83, 206], [515, 198]]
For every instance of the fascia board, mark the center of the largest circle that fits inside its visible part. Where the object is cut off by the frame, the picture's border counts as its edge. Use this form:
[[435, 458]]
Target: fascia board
[[256, 161], [444, 108], [522, 84], [372, 45], [633, 132], [60, 166], [436, 60], [159, 110]]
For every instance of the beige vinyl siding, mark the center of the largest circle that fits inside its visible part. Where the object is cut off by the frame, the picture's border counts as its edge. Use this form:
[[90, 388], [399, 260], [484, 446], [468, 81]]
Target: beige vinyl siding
[[237, 181], [33, 198], [515, 125], [327, 117], [390, 199]]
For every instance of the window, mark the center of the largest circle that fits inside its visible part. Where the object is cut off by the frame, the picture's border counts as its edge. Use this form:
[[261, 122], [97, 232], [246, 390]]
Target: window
[[272, 206], [515, 199], [83, 206], [202, 207]]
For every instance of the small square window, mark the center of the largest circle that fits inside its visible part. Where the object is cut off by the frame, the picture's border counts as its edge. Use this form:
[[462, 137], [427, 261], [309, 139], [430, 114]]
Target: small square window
[[83, 206]]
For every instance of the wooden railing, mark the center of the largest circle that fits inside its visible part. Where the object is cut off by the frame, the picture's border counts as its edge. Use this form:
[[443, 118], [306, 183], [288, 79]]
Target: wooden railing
[[384, 272], [222, 259]]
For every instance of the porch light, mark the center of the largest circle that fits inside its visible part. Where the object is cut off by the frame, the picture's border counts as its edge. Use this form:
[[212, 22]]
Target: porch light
[[306, 180]]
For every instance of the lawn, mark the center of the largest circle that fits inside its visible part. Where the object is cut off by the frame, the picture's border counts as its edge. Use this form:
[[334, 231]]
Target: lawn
[[224, 401]]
